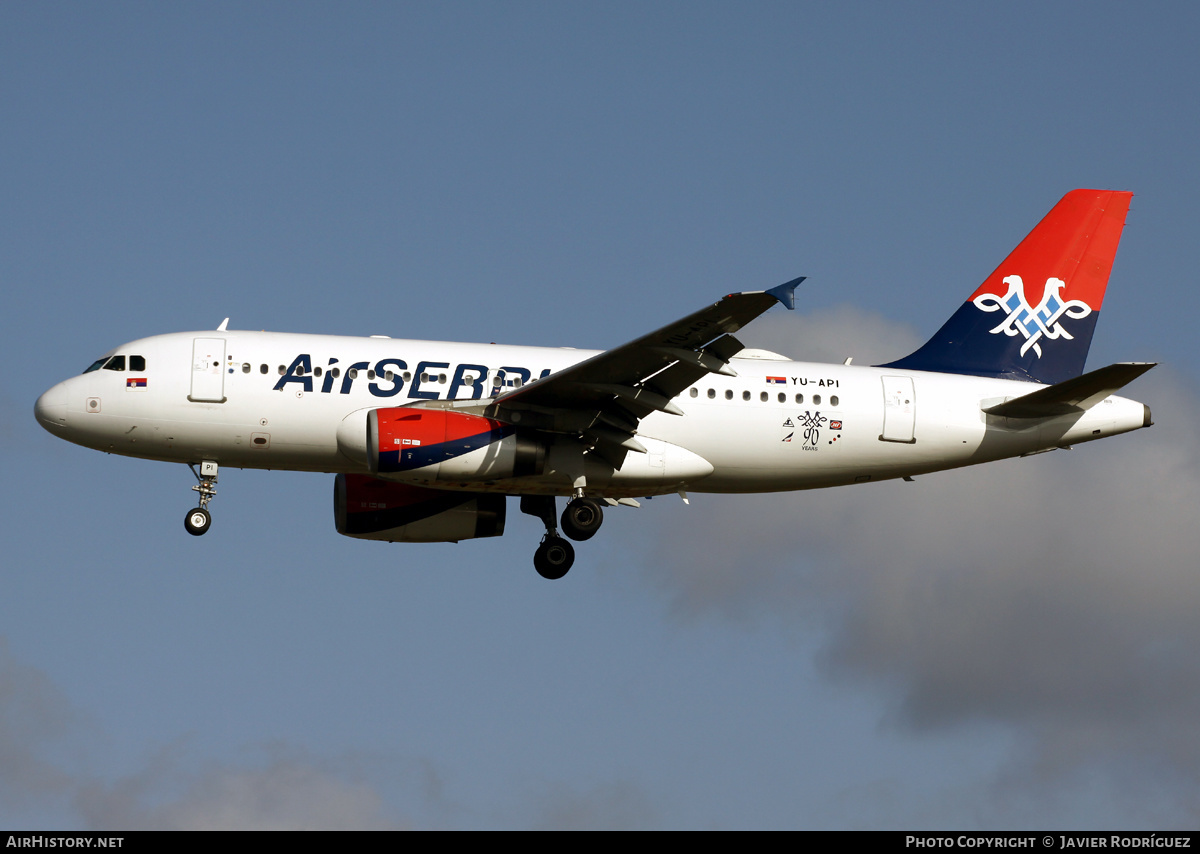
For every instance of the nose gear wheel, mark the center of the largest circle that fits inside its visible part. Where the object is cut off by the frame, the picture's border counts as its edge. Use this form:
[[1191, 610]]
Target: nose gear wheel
[[198, 521]]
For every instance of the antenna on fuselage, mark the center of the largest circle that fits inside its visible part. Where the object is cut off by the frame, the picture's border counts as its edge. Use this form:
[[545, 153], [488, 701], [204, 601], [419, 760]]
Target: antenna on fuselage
[[224, 323]]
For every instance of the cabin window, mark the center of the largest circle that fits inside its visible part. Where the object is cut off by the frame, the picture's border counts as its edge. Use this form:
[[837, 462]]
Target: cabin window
[[352, 373], [116, 363], [442, 379], [245, 367], [763, 397], [370, 374], [745, 395], [316, 372], [833, 401], [782, 397], [335, 372], [816, 400], [799, 398], [282, 370], [262, 369], [712, 393], [408, 376], [137, 363], [729, 394], [693, 392], [387, 375]]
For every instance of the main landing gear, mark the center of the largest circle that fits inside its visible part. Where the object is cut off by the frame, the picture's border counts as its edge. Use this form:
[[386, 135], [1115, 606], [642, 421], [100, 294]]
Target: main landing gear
[[582, 518], [199, 520], [580, 521], [554, 557]]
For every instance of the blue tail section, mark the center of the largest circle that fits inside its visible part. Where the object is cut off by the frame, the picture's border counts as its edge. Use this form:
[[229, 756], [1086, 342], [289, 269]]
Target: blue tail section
[[1032, 319]]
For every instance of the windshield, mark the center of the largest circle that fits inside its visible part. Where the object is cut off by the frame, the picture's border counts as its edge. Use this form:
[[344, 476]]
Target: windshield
[[96, 365]]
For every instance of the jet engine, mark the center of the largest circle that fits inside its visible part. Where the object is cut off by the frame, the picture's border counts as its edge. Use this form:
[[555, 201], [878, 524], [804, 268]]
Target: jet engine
[[438, 445], [372, 509]]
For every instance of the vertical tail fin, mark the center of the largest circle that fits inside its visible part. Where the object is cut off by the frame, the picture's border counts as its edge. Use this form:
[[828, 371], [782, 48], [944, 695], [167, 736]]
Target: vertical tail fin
[[1033, 318]]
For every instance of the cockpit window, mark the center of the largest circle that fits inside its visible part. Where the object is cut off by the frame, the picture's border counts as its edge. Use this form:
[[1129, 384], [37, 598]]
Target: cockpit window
[[137, 363], [116, 363], [96, 365]]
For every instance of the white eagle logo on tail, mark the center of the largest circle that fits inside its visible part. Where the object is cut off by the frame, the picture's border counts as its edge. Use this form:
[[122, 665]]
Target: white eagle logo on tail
[[1037, 322]]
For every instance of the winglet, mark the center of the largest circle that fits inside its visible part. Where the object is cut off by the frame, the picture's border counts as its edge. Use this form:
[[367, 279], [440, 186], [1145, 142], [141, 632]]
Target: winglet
[[786, 293]]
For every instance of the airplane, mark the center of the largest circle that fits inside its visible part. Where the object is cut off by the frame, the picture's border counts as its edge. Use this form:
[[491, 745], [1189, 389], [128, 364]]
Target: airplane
[[428, 440]]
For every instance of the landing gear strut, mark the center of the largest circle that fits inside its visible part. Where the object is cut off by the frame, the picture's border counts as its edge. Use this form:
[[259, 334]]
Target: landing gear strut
[[197, 521], [554, 555]]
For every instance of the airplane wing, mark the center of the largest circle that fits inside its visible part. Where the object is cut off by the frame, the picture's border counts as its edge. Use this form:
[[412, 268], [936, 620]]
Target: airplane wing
[[603, 398]]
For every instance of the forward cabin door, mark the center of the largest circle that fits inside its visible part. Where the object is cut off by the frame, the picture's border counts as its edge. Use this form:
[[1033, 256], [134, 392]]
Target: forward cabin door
[[899, 410], [208, 370]]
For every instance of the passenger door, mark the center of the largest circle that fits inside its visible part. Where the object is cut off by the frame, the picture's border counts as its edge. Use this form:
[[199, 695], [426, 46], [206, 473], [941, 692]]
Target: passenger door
[[899, 410], [208, 370]]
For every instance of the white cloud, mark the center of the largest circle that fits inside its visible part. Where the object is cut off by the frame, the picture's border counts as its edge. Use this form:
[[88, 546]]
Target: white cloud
[[1054, 595], [612, 806], [832, 335], [284, 789], [34, 718], [287, 792]]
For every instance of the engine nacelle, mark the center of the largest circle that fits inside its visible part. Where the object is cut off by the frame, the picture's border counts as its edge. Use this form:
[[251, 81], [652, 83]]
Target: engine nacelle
[[410, 443], [372, 509]]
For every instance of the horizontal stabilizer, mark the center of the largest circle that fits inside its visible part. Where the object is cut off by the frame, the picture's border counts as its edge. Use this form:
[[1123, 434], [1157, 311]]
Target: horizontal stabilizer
[[1073, 395]]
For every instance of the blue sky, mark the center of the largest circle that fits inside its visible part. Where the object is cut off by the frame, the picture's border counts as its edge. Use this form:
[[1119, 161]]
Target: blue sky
[[1011, 646]]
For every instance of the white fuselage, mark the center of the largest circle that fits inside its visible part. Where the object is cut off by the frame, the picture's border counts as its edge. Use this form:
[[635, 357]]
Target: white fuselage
[[778, 425]]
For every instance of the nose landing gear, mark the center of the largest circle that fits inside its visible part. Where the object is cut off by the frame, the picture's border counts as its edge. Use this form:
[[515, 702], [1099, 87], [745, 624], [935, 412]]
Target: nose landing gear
[[198, 521]]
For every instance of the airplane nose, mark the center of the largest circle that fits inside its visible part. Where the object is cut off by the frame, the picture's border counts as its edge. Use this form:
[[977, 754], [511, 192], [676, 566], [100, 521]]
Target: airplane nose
[[51, 409]]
